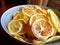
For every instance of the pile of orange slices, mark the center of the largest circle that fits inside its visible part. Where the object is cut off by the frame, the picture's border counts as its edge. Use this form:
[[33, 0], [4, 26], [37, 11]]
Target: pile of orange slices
[[38, 23]]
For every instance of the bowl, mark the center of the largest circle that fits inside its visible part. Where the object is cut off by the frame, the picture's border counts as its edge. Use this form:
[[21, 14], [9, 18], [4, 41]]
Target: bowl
[[6, 17]]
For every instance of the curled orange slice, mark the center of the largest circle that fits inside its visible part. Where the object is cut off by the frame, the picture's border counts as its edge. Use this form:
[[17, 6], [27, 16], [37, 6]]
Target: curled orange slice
[[55, 19]]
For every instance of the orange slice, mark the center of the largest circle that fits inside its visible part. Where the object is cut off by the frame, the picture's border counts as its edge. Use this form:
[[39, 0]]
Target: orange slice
[[37, 16], [29, 10], [55, 19], [20, 16], [41, 10], [14, 26], [42, 29]]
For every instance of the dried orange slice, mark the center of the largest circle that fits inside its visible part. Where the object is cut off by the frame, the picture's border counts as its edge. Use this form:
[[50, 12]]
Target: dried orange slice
[[42, 30], [44, 11], [37, 16], [41, 10], [29, 10], [20, 16], [14, 26], [55, 19]]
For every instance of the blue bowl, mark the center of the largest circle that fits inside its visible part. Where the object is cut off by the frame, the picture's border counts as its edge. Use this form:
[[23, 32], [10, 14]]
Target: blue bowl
[[7, 16]]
